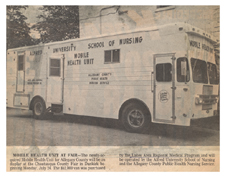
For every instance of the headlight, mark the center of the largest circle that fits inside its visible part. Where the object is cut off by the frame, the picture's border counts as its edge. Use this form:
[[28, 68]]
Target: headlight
[[196, 100]]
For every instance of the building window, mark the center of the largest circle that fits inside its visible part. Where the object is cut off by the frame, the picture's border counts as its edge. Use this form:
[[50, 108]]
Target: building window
[[54, 67], [164, 7], [20, 62], [112, 56], [164, 72], [183, 73]]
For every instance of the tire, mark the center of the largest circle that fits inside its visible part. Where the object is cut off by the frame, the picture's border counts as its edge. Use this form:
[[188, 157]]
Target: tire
[[135, 118], [39, 108]]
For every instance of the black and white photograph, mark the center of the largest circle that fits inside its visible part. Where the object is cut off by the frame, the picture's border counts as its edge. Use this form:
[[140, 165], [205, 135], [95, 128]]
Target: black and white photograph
[[113, 87]]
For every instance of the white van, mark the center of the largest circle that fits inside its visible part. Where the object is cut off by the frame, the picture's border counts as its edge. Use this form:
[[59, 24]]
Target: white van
[[164, 74]]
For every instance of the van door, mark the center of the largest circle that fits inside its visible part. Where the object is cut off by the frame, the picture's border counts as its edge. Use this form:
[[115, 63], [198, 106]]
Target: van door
[[164, 88], [20, 78], [55, 79]]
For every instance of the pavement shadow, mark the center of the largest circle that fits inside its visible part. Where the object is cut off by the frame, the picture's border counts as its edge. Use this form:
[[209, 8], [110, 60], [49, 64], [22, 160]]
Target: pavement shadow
[[13, 112]]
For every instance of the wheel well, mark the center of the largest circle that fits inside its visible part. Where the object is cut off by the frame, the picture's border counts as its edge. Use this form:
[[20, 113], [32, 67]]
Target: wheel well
[[136, 101], [33, 99]]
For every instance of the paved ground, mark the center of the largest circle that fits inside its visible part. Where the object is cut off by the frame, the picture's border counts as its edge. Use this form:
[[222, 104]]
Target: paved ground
[[23, 130]]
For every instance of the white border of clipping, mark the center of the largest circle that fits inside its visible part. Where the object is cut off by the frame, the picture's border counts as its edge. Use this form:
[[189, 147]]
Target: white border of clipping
[[98, 2]]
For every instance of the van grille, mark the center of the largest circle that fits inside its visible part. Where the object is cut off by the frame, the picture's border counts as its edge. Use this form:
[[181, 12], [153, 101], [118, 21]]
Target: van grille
[[207, 90]]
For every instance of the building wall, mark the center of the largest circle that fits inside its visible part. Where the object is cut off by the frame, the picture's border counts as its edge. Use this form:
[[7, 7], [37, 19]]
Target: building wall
[[95, 20]]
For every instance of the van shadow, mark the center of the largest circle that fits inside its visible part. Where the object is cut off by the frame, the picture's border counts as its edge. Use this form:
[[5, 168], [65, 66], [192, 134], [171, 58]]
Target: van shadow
[[200, 130], [198, 134], [192, 135], [87, 120]]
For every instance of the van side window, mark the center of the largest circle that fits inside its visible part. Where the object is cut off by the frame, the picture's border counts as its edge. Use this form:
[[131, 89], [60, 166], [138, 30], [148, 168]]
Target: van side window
[[54, 67], [164, 72], [112, 56], [20, 62], [183, 77]]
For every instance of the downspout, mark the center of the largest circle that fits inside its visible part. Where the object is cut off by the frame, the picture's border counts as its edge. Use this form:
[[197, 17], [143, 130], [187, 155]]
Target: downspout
[[101, 15]]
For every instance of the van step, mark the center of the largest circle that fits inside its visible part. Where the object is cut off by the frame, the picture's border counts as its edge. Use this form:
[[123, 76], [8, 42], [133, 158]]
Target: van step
[[57, 108], [58, 114]]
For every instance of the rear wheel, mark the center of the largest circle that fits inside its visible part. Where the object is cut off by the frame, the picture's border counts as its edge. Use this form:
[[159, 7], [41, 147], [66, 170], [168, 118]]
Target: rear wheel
[[39, 108], [135, 118]]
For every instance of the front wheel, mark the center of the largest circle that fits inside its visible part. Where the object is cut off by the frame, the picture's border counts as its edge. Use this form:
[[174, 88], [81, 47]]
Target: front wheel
[[39, 109], [135, 118]]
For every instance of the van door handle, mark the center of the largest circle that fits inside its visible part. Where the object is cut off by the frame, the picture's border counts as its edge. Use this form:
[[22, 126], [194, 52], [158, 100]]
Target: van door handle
[[185, 89], [152, 87]]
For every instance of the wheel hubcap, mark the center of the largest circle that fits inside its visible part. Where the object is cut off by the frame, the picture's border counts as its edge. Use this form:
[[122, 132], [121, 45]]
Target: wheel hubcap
[[136, 118], [38, 108]]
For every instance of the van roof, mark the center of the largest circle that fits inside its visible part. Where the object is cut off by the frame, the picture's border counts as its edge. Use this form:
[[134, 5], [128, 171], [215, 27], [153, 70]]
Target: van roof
[[190, 29]]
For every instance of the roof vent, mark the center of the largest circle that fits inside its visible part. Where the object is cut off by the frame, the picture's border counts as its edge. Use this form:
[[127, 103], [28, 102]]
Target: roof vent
[[193, 29]]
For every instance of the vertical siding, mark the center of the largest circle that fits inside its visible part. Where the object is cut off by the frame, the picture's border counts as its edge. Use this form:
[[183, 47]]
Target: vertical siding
[[134, 17]]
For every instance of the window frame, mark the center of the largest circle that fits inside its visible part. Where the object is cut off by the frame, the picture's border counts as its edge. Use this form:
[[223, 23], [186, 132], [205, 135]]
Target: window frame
[[111, 56], [188, 71], [50, 67]]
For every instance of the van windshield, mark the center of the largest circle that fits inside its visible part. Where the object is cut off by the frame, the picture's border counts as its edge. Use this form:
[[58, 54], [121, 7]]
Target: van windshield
[[212, 71], [199, 69]]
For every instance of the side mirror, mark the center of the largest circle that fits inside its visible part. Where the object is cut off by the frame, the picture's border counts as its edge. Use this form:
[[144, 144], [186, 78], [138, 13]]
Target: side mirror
[[183, 68]]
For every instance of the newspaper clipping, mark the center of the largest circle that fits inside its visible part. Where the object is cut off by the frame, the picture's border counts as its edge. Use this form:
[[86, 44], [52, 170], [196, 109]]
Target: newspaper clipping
[[113, 88]]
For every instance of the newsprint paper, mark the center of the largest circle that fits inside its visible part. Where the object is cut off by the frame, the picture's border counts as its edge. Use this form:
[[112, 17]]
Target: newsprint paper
[[113, 88]]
